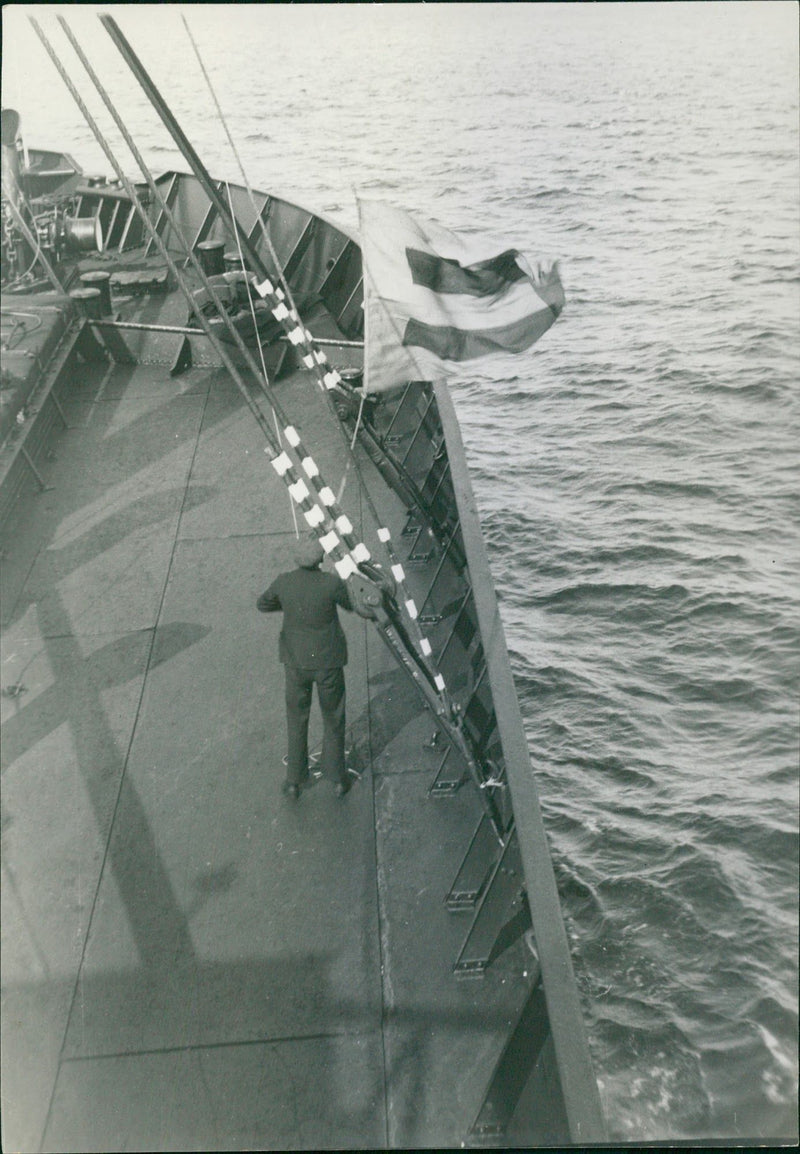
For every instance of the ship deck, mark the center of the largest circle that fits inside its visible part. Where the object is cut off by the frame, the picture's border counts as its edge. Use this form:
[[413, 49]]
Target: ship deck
[[190, 961]]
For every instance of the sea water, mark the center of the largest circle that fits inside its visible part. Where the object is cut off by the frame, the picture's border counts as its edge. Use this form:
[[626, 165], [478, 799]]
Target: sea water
[[636, 471]]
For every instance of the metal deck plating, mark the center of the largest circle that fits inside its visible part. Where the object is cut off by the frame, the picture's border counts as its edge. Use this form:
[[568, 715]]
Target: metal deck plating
[[189, 960]]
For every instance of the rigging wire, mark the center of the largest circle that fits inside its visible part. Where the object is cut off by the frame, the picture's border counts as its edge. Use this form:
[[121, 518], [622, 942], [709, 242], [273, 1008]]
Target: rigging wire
[[349, 549], [257, 337], [256, 411], [282, 462], [278, 268], [421, 646], [393, 556], [347, 552], [263, 382]]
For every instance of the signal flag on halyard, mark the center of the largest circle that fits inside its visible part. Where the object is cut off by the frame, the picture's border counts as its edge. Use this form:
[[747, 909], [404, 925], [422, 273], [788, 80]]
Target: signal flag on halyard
[[433, 297]]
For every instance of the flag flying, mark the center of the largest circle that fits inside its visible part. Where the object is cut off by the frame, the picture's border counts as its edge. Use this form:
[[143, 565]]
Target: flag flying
[[433, 297]]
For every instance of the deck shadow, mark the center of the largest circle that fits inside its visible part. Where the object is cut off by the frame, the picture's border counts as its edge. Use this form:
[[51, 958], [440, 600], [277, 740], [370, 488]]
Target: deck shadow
[[222, 1081]]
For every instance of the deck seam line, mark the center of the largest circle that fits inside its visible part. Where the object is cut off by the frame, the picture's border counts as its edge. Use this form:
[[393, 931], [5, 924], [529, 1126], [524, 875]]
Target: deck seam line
[[378, 904], [122, 778], [194, 1047], [236, 536]]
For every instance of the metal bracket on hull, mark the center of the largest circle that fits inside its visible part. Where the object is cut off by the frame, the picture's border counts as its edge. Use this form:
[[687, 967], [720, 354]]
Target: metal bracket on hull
[[391, 630], [183, 360], [513, 1071], [44, 487], [474, 871], [502, 916], [448, 778]]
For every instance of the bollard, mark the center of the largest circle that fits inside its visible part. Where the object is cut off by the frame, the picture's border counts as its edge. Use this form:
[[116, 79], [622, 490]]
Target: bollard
[[89, 302], [100, 280], [233, 262], [211, 257]]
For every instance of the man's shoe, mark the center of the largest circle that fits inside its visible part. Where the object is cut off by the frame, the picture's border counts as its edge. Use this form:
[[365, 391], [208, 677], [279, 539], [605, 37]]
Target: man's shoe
[[291, 790], [342, 788]]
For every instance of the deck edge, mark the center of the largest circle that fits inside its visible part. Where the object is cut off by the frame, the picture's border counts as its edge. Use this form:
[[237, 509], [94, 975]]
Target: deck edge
[[581, 1094]]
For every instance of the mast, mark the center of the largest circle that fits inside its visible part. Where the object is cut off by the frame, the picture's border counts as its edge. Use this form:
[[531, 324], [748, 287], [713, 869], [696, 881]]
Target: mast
[[183, 143]]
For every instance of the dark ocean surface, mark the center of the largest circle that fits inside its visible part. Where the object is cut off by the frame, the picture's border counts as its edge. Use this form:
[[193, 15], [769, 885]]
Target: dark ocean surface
[[637, 471]]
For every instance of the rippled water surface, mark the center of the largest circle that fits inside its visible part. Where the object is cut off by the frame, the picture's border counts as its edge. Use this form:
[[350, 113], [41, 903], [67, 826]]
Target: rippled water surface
[[636, 472]]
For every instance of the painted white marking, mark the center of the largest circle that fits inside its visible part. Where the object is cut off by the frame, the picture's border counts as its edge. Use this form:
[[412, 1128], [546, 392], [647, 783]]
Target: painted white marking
[[314, 516], [281, 464], [299, 490]]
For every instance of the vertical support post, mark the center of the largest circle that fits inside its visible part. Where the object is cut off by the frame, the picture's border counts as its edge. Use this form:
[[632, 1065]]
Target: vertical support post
[[59, 409], [29, 461]]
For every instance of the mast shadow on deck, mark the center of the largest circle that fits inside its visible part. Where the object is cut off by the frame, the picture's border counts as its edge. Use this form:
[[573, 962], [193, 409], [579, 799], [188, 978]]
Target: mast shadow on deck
[[256, 1053], [118, 451]]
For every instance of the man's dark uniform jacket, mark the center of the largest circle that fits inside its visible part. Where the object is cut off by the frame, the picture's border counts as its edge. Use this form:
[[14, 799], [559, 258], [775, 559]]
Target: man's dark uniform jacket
[[312, 637], [313, 649]]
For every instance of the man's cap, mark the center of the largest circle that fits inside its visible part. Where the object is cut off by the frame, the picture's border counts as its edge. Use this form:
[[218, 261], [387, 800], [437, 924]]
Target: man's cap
[[308, 553]]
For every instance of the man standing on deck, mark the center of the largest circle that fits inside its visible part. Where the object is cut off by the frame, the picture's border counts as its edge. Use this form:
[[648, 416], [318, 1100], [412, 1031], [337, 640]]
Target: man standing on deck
[[312, 648]]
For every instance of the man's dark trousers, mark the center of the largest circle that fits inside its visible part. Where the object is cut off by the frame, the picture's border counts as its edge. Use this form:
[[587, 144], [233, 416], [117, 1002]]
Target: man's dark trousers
[[331, 693], [313, 648]]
